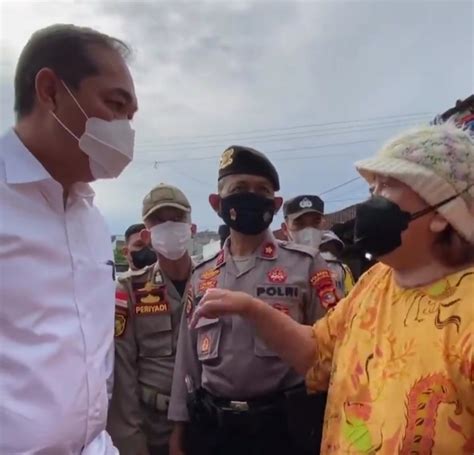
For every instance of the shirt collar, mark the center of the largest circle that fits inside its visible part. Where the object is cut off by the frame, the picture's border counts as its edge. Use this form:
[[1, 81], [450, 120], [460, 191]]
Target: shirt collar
[[21, 166], [268, 250]]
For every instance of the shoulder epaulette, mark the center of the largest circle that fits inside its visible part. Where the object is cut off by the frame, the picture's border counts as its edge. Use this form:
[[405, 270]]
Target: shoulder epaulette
[[206, 261], [304, 249]]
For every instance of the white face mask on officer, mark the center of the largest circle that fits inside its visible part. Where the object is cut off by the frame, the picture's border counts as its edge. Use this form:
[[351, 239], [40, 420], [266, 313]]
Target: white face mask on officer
[[108, 144], [309, 236], [171, 239]]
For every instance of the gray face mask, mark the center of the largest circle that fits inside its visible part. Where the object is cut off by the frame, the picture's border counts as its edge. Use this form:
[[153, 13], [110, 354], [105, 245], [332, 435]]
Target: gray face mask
[[309, 236]]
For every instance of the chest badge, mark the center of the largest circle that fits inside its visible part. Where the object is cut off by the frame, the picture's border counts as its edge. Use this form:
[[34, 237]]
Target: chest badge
[[277, 275]]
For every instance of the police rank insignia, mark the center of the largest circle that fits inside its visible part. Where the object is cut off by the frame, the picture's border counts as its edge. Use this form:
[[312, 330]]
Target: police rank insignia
[[277, 275], [204, 285], [227, 158], [209, 274], [268, 250]]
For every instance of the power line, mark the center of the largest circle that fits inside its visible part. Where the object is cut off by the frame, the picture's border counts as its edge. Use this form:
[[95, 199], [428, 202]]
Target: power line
[[329, 190], [274, 138], [288, 128], [270, 154]]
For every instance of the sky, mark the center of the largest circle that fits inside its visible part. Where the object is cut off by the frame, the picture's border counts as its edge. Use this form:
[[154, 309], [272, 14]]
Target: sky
[[314, 85]]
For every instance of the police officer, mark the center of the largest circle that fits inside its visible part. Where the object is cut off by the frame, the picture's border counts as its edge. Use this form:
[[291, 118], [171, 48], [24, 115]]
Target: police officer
[[303, 219], [238, 395], [149, 304], [331, 250], [303, 224]]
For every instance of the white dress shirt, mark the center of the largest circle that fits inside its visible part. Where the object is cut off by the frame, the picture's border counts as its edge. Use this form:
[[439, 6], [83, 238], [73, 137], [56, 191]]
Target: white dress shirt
[[56, 312]]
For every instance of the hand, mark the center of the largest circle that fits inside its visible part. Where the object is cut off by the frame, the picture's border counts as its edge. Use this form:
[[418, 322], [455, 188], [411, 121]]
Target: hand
[[176, 441], [218, 302]]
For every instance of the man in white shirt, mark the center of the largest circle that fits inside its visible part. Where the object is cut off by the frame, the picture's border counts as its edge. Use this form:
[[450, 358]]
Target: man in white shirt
[[74, 99]]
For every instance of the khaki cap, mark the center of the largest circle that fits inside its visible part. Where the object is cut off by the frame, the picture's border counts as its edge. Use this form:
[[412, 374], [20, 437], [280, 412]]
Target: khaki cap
[[164, 196]]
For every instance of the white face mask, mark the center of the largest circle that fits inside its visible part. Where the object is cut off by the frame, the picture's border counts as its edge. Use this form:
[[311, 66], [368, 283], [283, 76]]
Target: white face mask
[[308, 236], [171, 239], [108, 144]]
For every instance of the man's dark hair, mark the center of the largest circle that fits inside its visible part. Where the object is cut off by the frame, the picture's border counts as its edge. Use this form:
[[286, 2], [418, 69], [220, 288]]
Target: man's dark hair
[[133, 229], [66, 50]]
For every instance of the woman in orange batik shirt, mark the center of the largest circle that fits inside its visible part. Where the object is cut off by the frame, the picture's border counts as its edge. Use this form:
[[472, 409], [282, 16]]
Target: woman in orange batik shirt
[[397, 354]]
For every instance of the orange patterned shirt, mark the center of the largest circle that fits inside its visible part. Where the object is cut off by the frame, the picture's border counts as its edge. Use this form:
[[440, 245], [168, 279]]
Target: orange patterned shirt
[[399, 367]]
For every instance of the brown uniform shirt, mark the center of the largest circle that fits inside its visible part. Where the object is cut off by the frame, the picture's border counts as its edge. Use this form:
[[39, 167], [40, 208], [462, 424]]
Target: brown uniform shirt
[[147, 318], [225, 356]]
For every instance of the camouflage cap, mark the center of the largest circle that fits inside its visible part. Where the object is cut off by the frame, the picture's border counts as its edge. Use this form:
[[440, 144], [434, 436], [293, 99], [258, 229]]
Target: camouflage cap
[[164, 195]]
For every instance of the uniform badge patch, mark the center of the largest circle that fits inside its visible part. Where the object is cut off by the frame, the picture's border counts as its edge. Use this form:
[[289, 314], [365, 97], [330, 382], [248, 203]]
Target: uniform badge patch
[[189, 303], [306, 203], [120, 322], [206, 284], [283, 308], [209, 274], [227, 158], [121, 299], [277, 275], [205, 344], [324, 287]]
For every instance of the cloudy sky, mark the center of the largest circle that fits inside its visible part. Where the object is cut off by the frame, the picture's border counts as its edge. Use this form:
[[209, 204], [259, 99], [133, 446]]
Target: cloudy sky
[[315, 85]]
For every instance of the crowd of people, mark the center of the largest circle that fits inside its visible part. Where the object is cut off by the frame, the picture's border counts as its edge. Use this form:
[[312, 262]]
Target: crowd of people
[[268, 347]]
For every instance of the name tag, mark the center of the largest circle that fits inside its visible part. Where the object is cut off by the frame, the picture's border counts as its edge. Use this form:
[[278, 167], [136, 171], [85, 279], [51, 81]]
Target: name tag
[[291, 292], [147, 308]]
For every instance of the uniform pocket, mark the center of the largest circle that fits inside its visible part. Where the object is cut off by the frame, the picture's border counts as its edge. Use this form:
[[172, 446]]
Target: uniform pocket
[[155, 334], [208, 339], [261, 349]]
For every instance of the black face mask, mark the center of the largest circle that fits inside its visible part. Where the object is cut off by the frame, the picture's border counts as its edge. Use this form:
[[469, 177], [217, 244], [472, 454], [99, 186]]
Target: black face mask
[[142, 258], [247, 213], [379, 224]]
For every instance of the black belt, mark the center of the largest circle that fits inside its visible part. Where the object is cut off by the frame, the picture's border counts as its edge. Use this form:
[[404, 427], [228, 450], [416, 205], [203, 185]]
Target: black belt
[[229, 412]]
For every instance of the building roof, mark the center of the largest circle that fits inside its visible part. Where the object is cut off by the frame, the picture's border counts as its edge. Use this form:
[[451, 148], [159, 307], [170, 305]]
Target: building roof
[[341, 216]]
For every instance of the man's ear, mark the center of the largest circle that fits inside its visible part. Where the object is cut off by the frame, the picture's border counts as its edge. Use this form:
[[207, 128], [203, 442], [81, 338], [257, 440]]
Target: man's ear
[[145, 236], [193, 230], [278, 203], [284, 229], [46, 87], [215, 202], [438, 223], [125, 250]]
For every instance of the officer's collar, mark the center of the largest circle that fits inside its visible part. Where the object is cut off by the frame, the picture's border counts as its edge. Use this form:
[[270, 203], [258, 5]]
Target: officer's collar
[[268, 250]]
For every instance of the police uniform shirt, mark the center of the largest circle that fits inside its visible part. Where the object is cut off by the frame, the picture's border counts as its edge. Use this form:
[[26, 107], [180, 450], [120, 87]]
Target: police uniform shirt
[[147, 318], [224, 355]]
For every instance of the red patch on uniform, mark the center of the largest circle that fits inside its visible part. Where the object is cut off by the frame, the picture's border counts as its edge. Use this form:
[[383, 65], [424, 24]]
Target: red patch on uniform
[[206, 284], [220, 258], [189, 303], [268, 250], [324, 287], [121, 297], [282, 308], [277, 275], [205, 344]]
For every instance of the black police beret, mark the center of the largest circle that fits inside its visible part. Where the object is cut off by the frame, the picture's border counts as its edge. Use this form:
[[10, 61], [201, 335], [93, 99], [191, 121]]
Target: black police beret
[[245, 160], [303, 204]]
